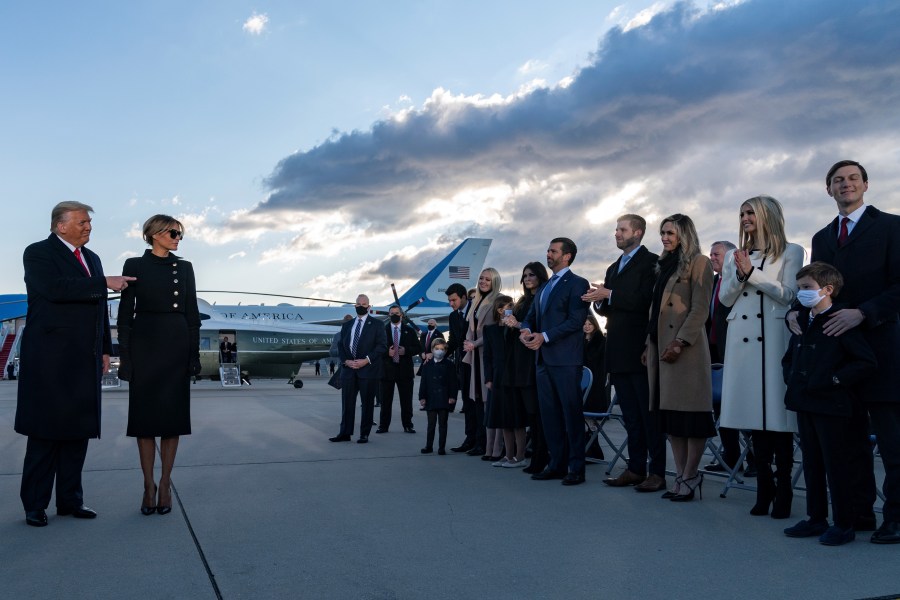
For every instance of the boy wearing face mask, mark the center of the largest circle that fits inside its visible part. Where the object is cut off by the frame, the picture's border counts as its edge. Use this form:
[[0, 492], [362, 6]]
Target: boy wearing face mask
[[437, 394], [821, 372]]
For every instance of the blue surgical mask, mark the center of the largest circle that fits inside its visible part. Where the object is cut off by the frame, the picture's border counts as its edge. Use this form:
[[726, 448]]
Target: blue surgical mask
[[809, 298], [438, 354]]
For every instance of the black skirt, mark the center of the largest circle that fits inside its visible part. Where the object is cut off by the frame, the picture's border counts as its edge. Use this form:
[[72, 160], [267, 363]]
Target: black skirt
[[159, 399], [687, 424]]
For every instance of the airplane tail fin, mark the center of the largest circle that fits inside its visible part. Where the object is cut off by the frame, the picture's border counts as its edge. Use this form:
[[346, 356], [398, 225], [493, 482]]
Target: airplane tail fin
[[463, 265]]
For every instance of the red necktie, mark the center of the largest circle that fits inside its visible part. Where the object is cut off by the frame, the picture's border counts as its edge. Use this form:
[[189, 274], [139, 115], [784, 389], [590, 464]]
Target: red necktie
[[842, 237], [81, 261]]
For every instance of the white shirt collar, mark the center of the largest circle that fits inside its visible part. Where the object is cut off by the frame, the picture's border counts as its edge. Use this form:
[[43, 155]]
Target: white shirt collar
[[68, 245], [855, 216]]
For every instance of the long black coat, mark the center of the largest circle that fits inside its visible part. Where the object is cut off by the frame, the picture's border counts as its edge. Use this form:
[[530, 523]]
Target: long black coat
[[812, 361], [409, 339], [870, 264], [520, 366], [628, 314], [65, 338]]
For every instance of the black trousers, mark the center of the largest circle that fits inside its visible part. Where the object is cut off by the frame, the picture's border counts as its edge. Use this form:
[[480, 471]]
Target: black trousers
[[405, 392], [366, 390], [826, 442], [540, 456], [46, 460], [885, 423], [644, 437], [437, 417]]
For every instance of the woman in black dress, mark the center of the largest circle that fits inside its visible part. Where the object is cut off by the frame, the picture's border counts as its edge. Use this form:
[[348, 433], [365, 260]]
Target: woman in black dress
[[523, 384], [159, 346], [594, 352]]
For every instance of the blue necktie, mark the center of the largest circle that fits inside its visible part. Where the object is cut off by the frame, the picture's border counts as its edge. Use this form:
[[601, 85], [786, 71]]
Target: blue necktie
[[356, 337], [623, 261], [546, 293]]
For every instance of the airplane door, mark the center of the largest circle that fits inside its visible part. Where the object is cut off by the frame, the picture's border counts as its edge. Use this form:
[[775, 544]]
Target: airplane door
[[229, 367]]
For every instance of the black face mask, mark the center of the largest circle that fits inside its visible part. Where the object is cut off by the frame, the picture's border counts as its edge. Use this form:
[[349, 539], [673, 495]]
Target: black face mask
[[361, 310], [395, 318], [431, 328]]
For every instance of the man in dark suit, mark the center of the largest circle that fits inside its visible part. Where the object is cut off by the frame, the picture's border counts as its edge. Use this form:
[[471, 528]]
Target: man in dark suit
[[864, 244], [403, 344], [624, 299], [457, 296], [553, 329], [427, 337], [65, 352], [361, 348], [717, 335]]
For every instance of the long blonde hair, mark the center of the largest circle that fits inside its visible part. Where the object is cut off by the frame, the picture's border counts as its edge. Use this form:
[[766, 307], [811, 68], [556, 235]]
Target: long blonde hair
[[688, 241], [769, 237], [485, 301]]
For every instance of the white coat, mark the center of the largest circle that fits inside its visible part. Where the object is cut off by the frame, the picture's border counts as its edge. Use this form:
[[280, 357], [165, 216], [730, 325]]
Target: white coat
[[753, 385]]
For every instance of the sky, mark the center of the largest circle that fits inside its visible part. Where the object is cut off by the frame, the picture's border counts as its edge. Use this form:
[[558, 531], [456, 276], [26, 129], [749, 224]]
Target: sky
[[327, 149]]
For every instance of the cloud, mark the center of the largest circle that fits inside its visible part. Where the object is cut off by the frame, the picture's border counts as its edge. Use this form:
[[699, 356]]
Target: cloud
[[256, 24], [240, 254], [532, 66], [678, 110]]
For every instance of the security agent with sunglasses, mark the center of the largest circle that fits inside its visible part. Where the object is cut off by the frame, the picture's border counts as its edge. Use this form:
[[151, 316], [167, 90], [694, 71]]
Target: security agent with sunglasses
[[65, 350], [159, 343]]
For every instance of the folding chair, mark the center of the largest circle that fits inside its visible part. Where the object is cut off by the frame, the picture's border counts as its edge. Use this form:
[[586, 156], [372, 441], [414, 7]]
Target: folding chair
[[596, 421]]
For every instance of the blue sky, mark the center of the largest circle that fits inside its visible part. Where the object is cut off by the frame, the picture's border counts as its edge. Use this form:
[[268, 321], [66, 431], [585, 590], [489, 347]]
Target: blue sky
[[325, 149]]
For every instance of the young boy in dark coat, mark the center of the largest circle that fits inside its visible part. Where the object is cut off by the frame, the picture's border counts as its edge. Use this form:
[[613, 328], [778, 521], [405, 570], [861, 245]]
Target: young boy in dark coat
[[437, 393], [821, 372]]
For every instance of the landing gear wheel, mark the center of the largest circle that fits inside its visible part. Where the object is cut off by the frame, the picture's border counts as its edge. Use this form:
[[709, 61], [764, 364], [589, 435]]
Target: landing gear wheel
[[298, 384]]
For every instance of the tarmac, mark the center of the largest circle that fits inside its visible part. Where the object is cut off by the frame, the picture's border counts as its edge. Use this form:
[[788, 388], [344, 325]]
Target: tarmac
[[267, 507]]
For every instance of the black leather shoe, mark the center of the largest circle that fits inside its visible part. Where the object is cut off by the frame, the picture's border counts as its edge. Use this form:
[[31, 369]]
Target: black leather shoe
[[426, 450], [441, 451], [381, 430], [36, 518], [409, 430], [363, 439], [888, 533], [464, 447], [475, 451], [339, 438], [547, 474], [573, 478], [79, 512]]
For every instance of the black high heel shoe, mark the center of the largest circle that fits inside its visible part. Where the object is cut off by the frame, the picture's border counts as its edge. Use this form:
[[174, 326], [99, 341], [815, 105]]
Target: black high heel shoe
[[149, 510], [165, 509], [669, 494], [698, 486]]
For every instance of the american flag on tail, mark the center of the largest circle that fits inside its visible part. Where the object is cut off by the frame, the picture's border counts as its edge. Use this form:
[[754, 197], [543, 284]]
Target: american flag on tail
[[459, 272]]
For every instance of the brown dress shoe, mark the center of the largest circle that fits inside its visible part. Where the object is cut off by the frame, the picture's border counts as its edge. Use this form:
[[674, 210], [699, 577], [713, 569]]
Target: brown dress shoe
[[653, 483], [625, 478]]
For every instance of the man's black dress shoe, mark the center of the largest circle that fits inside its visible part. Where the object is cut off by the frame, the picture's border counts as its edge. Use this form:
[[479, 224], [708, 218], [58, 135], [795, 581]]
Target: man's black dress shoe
[[548, 474], [475, 451], [464, 447], [363, 439], [888, 533], [79, 512], [409, 430], [381, 430], [339, 438], [36, 518], [426, 450], [572, 478]]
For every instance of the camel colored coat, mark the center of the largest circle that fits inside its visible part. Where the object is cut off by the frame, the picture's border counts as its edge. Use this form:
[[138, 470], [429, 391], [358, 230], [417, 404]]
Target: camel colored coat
[[753, 385], [686, 384], [475, 335]]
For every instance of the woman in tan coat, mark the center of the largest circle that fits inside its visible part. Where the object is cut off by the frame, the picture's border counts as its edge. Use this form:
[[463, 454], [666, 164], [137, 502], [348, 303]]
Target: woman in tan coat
[[677, 355], [481, 315]]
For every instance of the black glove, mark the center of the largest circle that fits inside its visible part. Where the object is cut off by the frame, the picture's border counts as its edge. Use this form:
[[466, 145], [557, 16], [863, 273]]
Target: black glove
[[125, 368], [195, 366]]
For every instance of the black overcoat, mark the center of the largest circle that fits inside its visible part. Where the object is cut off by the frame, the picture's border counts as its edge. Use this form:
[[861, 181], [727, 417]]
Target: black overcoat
[[438, 385], [66, 335], [409, 339], [870, 264]]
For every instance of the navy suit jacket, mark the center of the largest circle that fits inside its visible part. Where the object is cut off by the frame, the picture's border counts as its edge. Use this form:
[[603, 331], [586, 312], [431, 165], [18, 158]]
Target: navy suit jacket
[[870, 264], [561, 316], [372, 344]]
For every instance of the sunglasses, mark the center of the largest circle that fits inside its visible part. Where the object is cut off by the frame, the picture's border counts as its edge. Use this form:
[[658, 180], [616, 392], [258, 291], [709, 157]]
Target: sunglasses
[[174, 233]]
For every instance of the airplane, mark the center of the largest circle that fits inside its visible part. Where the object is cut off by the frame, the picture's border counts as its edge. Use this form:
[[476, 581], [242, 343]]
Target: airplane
[[273, 341]]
